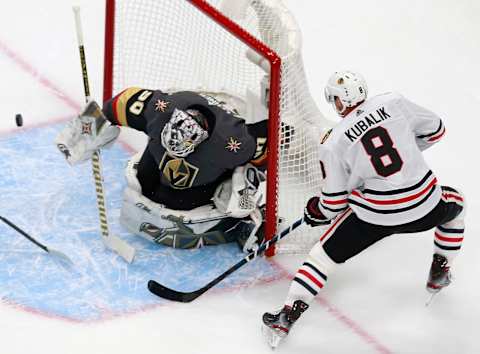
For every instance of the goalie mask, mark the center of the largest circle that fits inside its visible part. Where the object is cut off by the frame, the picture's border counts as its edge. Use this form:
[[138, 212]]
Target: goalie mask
[[183, 132]]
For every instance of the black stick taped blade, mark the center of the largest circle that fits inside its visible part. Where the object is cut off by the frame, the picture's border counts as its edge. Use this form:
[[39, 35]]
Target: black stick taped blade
[[169, 294]]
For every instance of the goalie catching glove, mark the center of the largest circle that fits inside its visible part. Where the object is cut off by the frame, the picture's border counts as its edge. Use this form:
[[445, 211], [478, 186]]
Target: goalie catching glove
[[313, 215], [86, 134]]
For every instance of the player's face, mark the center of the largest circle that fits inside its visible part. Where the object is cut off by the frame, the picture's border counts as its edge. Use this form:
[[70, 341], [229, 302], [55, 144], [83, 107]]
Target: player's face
[[338, 104]]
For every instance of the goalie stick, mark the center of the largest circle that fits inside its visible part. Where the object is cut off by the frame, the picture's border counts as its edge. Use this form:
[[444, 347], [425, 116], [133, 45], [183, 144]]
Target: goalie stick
[[110, 241], [174, 295], [57, 254]]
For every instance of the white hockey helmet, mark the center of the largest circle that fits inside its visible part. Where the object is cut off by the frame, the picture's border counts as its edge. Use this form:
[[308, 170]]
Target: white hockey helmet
[[183, 132], [348, 86]]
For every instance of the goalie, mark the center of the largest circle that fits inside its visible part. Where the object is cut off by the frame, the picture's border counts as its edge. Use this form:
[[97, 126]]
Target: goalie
[[200, 179]]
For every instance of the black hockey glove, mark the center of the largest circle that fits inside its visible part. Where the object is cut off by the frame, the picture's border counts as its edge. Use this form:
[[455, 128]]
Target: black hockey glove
[[312, 214]]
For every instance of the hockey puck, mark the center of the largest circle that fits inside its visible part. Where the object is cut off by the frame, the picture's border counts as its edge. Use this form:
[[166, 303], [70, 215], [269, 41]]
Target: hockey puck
[[19, 120]]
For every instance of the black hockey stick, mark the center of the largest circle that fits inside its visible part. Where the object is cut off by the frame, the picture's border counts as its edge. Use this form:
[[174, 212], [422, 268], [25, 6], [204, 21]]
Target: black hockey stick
[[57, 254], [173, 295]]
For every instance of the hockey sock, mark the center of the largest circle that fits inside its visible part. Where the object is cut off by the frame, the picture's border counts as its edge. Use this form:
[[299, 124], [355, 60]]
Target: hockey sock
[[311, 277], [448, 240], [449, 236]]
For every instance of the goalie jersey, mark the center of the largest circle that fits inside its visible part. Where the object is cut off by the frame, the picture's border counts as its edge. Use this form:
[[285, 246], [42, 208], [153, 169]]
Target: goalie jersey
[[188, 182], [372, 162]]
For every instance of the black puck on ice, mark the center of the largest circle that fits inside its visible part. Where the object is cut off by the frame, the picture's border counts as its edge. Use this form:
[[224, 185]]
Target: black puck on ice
[[19, 120]]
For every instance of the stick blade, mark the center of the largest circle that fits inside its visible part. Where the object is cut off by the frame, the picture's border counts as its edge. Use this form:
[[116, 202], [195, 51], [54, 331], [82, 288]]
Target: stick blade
[[121, 247], [272, 337], [430, 298], [61, 257], [169, 294]]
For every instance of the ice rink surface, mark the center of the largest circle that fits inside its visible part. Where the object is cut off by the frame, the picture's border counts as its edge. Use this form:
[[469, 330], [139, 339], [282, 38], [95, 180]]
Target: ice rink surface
[[427, 50]]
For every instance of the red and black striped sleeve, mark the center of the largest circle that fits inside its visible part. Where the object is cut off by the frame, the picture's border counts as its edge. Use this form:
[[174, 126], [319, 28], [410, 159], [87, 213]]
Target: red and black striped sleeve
[[433, 136], [427, 126]]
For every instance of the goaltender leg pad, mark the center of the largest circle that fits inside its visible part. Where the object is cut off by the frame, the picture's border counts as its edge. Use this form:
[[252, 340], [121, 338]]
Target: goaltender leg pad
[[194, 228], [250, 232]]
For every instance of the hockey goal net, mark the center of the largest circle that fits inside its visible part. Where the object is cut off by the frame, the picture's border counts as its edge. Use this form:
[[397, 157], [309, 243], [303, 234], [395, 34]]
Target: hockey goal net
[[246, 53]]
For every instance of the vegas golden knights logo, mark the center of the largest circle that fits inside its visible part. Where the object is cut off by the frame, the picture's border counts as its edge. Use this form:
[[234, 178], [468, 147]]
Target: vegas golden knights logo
[[177, 173]]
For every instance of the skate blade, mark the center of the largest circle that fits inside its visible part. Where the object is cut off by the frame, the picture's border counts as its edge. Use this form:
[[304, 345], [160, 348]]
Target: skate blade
[[273, 337], [430, 298]]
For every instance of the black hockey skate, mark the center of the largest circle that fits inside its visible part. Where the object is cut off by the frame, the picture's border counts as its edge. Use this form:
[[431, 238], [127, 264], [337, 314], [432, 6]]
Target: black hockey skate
[[277, 325], [440, 275]]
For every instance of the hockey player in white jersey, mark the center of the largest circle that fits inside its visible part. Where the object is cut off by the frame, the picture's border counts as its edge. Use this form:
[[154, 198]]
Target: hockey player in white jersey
[[376, 184]]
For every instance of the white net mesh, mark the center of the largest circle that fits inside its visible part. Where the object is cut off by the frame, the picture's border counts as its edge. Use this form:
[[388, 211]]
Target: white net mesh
[[170, 44]]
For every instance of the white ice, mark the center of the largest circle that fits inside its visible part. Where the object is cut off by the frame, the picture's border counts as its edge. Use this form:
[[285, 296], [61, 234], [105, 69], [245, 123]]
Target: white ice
[[428, 50]]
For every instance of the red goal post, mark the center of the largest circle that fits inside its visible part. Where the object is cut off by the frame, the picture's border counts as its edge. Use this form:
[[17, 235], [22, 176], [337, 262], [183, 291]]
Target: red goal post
[[157, 30]]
